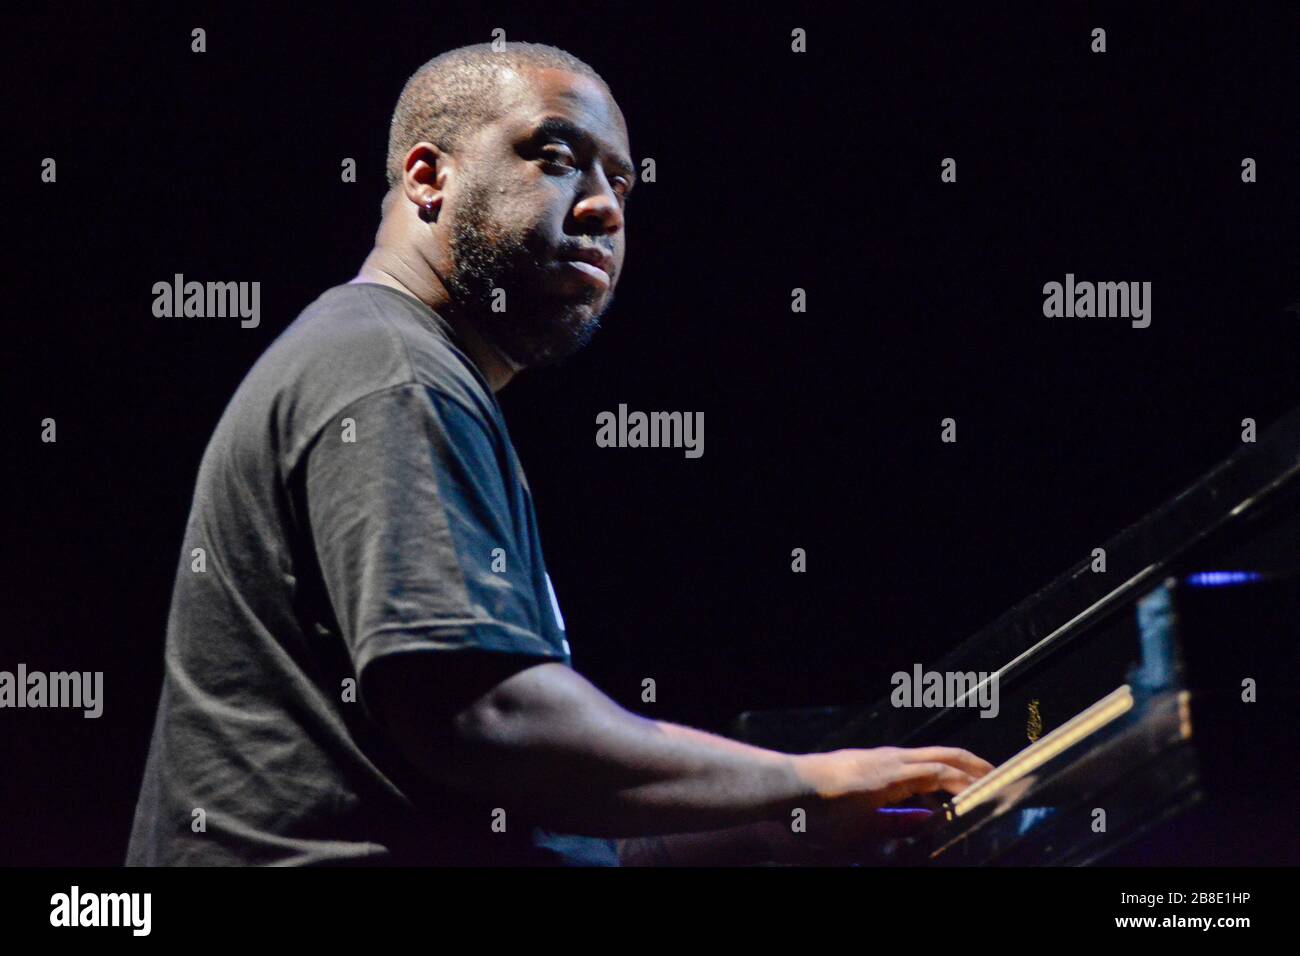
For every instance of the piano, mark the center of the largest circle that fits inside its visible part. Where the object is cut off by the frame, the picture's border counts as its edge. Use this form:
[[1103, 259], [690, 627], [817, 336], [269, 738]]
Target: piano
[[1146, 713]]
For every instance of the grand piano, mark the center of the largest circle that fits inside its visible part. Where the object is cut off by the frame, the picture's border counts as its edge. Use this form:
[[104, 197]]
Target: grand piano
[[1146, 712]]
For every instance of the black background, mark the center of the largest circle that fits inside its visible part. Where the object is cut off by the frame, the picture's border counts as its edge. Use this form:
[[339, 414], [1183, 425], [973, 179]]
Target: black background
[[775, 171]]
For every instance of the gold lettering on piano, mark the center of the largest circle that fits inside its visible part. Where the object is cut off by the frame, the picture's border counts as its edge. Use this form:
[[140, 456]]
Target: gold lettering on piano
[[1034, 729], [1111, 707]]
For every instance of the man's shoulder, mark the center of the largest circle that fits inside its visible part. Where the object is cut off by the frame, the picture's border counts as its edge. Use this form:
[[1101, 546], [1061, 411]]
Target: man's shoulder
[[354, 341], [371, 337]]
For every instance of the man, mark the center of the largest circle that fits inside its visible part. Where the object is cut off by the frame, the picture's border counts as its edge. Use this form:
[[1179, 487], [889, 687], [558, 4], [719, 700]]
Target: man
[[365, 659]]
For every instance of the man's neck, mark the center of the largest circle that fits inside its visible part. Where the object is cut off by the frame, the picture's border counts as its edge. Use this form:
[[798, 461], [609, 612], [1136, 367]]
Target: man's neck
[[383, 269]]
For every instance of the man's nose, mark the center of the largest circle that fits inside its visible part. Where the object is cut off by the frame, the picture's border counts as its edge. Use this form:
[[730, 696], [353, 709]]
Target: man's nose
[[598, 211]]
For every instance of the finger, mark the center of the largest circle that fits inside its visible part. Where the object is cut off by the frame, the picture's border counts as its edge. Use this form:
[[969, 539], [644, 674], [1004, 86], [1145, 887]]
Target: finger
[[919, 778], [955, 756]]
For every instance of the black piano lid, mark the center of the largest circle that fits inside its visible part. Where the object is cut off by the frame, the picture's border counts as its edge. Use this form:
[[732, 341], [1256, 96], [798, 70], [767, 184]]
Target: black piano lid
[[1226, 502]]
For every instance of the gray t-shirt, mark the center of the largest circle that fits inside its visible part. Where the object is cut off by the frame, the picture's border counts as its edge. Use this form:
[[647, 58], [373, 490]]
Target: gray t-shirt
[[359, 498]]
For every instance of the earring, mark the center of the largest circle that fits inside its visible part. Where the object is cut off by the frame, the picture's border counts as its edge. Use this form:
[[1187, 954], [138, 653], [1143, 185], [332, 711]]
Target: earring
[[427, 211]]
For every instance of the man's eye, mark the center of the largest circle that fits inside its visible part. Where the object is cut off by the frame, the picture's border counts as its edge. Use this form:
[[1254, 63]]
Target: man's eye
[[558, 156]]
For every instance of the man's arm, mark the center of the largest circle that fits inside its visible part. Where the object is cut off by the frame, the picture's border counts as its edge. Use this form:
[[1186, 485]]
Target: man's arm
[[546, 740], [404, 521]]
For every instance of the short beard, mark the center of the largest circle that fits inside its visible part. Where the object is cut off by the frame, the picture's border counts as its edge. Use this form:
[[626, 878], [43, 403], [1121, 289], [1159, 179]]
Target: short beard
[[534, 329]]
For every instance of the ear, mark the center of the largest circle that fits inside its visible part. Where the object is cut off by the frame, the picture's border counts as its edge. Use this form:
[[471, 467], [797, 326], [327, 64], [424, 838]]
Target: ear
[[424, 178]]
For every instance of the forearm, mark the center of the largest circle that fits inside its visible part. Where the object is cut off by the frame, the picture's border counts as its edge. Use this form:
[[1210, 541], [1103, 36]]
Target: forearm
[[548, 741]]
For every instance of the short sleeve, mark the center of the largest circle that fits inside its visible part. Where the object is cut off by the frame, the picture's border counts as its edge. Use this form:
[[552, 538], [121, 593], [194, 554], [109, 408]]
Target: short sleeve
[[415, 531]]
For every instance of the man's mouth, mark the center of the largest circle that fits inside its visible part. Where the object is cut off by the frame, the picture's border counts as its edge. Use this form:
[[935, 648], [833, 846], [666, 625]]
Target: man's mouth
[[586, 271], [591, 263]]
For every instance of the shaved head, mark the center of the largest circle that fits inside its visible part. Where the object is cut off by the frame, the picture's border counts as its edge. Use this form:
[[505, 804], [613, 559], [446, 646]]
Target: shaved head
[[462, 90]]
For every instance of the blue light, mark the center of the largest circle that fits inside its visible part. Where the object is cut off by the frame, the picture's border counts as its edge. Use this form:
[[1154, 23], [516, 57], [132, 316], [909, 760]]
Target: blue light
[[1219, 579]]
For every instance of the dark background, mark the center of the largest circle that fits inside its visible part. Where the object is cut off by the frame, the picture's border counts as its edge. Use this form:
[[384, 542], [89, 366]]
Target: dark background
[[775, 170]]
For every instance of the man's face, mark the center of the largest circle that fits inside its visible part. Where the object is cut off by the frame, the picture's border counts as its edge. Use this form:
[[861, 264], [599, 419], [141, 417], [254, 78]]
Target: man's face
[[538, 214]]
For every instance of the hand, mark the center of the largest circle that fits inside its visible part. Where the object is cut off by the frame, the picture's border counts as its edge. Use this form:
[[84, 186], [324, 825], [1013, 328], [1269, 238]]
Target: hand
[[849, 816]]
